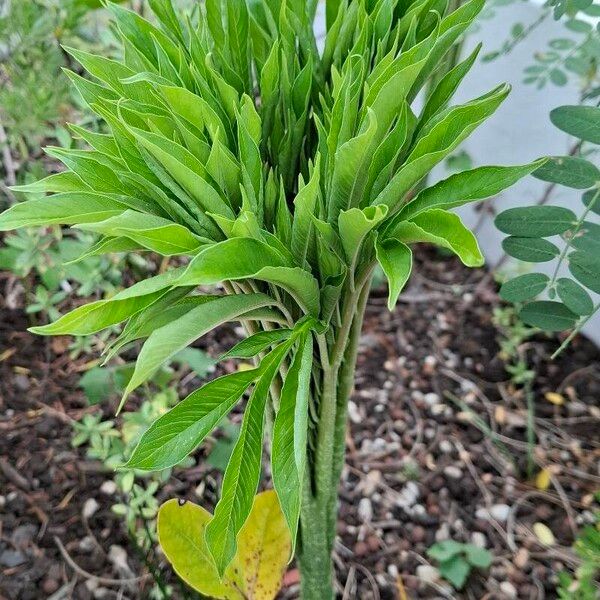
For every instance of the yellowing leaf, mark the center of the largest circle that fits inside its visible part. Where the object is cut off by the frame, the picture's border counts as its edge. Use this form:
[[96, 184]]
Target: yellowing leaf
[[542, 481], [264, 547], [181, 535], [543, 534], [557, 399], [257, 569]]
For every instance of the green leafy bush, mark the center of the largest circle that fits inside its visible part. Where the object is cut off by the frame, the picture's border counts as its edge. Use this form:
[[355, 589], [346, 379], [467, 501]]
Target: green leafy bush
[[569, 304], [282, 175]]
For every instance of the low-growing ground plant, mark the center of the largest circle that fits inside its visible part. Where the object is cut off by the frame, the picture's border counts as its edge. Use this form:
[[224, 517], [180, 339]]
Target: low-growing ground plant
[[281, 174]]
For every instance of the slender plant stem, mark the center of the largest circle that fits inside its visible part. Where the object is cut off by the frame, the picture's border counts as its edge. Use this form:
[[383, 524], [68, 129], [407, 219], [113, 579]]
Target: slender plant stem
[[575, 331], [571, 237]]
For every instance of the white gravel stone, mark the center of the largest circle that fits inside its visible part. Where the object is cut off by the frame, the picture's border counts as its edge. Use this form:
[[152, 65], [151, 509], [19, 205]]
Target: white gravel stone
[[443, 533], [431, 398], [453, 472], [499, 512], [446, 447], [478, 539], [428, 573], [108, 487], [508, 589], [408, 495], [353, 412], [365, 510], [90, 506]]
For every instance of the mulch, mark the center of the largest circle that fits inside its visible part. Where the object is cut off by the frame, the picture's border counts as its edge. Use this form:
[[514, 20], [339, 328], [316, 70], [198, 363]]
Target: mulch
[[419, 468]]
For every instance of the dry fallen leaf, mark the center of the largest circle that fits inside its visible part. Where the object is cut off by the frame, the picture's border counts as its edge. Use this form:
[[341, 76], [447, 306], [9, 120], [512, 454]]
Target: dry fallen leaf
[[544, 534], [542, 481], [555, 398]]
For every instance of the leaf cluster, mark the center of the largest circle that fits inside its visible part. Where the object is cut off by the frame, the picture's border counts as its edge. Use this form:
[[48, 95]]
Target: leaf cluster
[[457, 560], [569, 302]]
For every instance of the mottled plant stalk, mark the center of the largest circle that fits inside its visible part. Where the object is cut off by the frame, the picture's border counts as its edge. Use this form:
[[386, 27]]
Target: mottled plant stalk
[[320, 501]]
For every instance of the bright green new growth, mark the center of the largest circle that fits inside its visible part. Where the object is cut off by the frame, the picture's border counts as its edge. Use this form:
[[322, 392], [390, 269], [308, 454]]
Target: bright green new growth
[[284, 173]]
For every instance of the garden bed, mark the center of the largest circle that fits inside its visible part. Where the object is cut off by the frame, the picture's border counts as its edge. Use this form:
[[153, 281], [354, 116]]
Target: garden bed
[[419, 468]]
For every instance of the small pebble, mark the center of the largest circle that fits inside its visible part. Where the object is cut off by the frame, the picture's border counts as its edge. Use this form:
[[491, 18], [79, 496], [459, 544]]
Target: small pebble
[[508, 589], [453, 472], [418, 534], [428, 573], [365, 510], [499, 512], [478, 539], [408, 495], [521, 558], [431, 399], [443, 533], [445, 447], [108, 487], [90, 507]]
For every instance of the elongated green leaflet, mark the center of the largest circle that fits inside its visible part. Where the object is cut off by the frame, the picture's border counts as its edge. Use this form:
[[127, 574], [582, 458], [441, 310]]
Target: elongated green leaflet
[[166, 341], [290, 431], [243, 471], [179, 432]]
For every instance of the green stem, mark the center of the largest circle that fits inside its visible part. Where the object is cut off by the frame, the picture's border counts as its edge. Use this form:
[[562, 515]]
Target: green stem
[[571, 237], [346, 384], [576, 331]]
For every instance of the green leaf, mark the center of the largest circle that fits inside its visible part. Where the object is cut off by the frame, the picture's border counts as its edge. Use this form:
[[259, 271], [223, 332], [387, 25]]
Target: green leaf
[[186, 169], [169, 339], [181, 430], [66, 181], [98, 315], [304, 207], [243, 258], [355, 224], [570, 171], [574, 297], [257, 343], [558, 77], [288, 453], [467, 186], [152, 232], [445, 550], [395, 259], [524, 287], [586, 269], [445, 89], [455, 570], [588, 238], [548, 315], [67, 208], [583, 122], [478, 557], [349, 159], [243, 472], [533, 250], [437, 140], [535, 221], [591, 198], [443, 229]]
